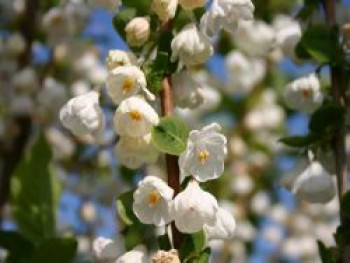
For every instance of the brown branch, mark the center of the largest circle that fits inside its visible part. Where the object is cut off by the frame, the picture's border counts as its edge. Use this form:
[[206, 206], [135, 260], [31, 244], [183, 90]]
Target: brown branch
[[167, 104], [13, 154]]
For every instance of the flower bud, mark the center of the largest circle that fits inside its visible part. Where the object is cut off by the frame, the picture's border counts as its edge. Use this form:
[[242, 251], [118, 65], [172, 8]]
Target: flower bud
[[191, 46], [165, 9], [193, 208], [224, 226], [138, 31], [104, 250], [191, 4], [137, 255], [171, 256], [118, 58], [82, 115]]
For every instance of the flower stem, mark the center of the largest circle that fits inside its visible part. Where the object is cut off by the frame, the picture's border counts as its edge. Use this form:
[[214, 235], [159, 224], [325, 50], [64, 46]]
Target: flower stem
[[167, 104]]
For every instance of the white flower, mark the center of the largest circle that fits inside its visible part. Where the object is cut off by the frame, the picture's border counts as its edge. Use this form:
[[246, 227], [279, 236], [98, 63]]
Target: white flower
[[289, 178], [133, 152], [193, 208], [22, 104], [152, 201], [63, 146], [56, 24], [165, 9], [126, 81], [226, 14], [256, 38], [288, 33], [205, 153], [187, 90], [138, 31], [245, 72], [135, 117], [191, 4], [104, 249], [26, 80], [191, 46], [224, 226], [171, 256], [82, 115], [15, 44], [112, 5], [137, 255], [314, 185], [117, 58], [304, 94]]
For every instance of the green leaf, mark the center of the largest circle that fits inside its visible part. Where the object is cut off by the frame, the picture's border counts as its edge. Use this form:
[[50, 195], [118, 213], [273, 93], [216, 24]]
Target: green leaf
[[342, 236], [34, 193], [300, 141], [124, 208], [18, 247], [345, 205], [309, 7], [170, 136], [204, 256], [55, 250], [326, 119], [320, 42], [325, 253], [164, 242], [191, 246], [141, 6]]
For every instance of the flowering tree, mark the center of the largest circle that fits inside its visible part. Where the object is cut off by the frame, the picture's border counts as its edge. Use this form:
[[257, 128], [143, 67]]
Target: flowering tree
[[189, 189]]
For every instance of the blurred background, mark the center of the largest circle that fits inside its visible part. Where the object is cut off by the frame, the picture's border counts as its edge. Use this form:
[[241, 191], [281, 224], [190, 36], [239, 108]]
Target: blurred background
[[67, 58]]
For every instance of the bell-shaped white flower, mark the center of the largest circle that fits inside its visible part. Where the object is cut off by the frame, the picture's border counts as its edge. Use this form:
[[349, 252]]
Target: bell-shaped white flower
[[187, 90], [82, 115], [138, 31], [205, 154], [191, 4], [224, 226], [135, 117], [137, 255], [193, 208], [126, 81], [165, 9], [256, 38], [314, 185], [191, 46], [226, 14], [104, 250], [288, 33], [152, 201], [304, 94], [133, 152], [245, 72], [118, 58]]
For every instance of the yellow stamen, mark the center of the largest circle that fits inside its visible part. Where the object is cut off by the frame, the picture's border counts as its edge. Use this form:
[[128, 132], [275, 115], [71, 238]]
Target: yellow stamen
[[153, 198], [203, 156], [135, 115], [128, 84]]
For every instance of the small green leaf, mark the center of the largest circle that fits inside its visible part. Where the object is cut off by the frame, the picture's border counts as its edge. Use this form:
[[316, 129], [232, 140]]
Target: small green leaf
[[141, 6], [204, 256], [320, 42], [326, 119], [170, 136], [309, 7], [325, 253], [191, 246], [34, 193], [55, 250], [345, 205], [164, 242], [124, 208], [300, 141], [17, 246]]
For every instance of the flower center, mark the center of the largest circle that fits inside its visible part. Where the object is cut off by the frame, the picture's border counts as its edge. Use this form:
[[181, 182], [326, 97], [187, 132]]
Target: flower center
[[128, 84], [203, 156], [306, 93], [135, 115], [153, 198]]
